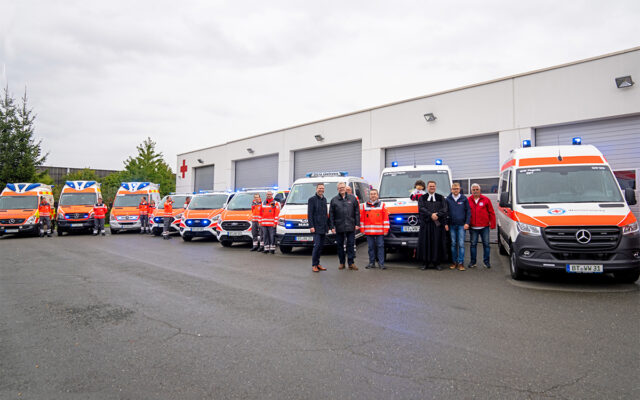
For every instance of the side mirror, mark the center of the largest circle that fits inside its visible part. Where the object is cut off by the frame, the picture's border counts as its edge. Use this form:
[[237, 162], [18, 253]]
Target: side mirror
[[630, 196], [504, 200]]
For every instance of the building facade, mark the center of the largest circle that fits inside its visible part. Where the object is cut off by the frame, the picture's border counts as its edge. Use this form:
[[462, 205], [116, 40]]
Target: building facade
[[472, 129]]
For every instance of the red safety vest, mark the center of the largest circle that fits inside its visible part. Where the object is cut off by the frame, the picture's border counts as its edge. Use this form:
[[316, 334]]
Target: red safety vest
[[256, 208], [99, 211], [44, 210], [374, 218], [269, 212], [143, 207], [168, 209]]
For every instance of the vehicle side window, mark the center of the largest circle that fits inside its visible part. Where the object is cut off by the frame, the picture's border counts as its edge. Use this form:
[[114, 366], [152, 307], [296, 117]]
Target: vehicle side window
[[364, 189], [505, 183]]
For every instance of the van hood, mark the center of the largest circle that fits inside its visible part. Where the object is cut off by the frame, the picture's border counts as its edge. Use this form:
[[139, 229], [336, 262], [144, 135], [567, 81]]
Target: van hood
[[401, 206], [294, 211], [208, 214], [75, 209], [613, 214], [239, 215], [16, 214]]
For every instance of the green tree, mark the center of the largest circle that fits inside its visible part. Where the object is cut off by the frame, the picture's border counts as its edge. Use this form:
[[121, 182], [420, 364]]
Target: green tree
[[20, 153], [109, 185], [149, 166]]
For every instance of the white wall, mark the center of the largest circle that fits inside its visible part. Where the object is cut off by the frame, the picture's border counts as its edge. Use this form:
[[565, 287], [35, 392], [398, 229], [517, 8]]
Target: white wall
[[512, 107]]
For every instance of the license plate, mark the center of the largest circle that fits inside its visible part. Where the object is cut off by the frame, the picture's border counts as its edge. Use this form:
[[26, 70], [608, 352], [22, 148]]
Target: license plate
[[410, 229], [76, 225], [234, 233], [11, 230], [197, 229], [304, 238], [585, 268]]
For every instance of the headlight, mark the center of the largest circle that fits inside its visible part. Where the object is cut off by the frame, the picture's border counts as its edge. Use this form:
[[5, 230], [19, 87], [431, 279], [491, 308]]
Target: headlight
[[31, 220], [60, 215], [527, 229], [178, 216], [112, 218], [629, 229], [281, 222]]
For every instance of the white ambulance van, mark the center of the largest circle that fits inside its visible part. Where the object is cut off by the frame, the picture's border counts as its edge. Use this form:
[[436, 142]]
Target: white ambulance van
[[396, 185], [293, 225], [561, 209]]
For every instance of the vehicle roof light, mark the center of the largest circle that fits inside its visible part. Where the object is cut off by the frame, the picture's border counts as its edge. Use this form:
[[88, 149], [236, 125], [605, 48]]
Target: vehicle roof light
[[577, 140], [439, 161], [526, 143], [394, 163], [328, 173]]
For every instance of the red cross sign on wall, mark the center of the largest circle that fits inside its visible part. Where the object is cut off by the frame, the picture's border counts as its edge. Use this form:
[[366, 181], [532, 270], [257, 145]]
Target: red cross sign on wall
[[183, 168]]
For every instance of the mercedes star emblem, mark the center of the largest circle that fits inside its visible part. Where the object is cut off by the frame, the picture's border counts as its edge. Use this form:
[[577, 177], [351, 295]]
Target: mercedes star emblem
[[583, 236], [12, 221], [412, 220]]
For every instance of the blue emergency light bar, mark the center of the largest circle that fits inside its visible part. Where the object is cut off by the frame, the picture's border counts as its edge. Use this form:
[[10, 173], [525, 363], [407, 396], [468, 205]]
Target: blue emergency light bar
[[577, 141], [526, 143], [324, 174], [439, 161], [394, 163]]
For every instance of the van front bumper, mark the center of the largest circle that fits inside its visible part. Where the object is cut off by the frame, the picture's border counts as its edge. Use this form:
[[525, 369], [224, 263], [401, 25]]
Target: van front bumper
[[303, 239], [67, 225], [540, 257], [125, 226], [18, 229], [207, 232]]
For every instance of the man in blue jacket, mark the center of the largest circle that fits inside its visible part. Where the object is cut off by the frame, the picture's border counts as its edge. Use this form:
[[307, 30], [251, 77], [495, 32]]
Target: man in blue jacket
[[319, 225], [458, 224]]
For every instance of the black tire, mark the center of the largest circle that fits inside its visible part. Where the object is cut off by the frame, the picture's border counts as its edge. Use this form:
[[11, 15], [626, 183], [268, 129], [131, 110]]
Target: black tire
[[114, 231], [627, 276], [286, 249], [501, 249], [156, 232], [59, 232], [514, 268], [187, 238], [226, 243]]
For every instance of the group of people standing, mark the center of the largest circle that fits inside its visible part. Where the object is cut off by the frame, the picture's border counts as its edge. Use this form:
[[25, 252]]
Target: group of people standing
[[438, 216], [264, 219]]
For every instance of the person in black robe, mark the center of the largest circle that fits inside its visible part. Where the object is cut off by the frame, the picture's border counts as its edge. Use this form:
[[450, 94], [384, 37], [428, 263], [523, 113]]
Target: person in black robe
[[432, 240]]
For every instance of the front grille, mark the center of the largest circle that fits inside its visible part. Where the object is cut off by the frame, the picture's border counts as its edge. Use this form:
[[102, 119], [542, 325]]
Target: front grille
[[583, 256], [77, 216], [397, 221], [235, 225], [12, 221], [297, 223], [564, 237]]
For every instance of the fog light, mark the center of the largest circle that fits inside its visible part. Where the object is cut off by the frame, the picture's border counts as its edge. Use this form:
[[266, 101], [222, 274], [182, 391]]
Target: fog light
[[636, 254], [526, 253]]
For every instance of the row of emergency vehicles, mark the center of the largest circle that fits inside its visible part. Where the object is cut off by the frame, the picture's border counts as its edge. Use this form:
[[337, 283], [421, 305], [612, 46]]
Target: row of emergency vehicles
[[560, 208]]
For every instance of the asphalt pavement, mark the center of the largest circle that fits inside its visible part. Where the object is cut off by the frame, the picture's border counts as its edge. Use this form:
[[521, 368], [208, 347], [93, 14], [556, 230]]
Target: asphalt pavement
[[133, 316]]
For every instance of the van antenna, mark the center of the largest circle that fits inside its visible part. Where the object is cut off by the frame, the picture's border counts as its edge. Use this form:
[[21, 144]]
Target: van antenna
[[414, 159], [559, 155]]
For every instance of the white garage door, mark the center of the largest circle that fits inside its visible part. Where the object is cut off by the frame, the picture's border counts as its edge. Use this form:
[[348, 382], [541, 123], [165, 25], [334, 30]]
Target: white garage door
[[259, 172], [618, 139], [340, 157], [203, 178]]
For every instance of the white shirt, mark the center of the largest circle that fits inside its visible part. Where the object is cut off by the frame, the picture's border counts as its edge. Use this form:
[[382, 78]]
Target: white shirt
[[432, 197], [456, 197]]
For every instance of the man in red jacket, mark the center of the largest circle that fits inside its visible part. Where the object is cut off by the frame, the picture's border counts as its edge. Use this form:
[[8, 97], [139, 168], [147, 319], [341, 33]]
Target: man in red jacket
[[99, 212], [483, 218]]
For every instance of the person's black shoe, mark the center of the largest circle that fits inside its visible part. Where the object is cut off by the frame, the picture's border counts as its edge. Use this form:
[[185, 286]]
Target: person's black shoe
[[382, 266], [487, 265], [254, 248], [272, 251], [369, 266], [423, 268], [439, 267], [261, 249]]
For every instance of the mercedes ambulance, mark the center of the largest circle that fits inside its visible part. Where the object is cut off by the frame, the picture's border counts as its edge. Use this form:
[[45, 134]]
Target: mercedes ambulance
[[233, 224], [125, 215], [396, 185], [156, 219], [561, 209], [75, 207], [293, 225], [19, 207], [199, 219]]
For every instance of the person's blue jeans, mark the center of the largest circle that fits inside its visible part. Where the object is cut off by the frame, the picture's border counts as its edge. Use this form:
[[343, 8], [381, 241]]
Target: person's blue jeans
[[457, 243], [350, 238], [318, 244], [376, 248], [484, 236]]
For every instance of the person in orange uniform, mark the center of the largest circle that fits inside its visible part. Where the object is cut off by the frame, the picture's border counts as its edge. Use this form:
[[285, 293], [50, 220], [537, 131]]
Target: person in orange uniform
[[256, 205], [44, 210], [269, 213], [143, 209], [99, 213], [374, 223], [152, 209], [168, 211]]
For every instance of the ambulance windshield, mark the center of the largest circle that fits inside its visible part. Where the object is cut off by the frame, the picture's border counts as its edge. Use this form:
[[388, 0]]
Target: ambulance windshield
[[571, 184], [18, 202], [78, 199], [208, 202], [128, 200], [242, 201], [399, 184], [301, 192], [178, 201]]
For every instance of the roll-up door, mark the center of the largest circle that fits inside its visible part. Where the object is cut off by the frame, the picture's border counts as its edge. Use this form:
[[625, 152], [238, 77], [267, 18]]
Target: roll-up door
[[258, 172], [618, 139], [340, 157], [473, 157], [203, 178]]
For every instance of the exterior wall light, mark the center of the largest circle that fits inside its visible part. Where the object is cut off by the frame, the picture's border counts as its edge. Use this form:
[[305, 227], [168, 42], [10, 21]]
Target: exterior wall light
[[250, 150], [319, 138], [200, 161], [624, 81], [429, 117]]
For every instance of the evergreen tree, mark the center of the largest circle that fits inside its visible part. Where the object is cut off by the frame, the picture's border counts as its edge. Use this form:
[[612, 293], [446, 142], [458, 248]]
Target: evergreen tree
[[20, 153], [149, 166]]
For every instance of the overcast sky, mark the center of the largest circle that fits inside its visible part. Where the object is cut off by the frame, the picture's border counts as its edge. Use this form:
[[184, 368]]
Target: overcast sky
[[102, 76]]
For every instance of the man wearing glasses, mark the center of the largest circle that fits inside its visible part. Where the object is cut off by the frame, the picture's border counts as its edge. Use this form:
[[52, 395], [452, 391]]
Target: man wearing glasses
[[483, 218]]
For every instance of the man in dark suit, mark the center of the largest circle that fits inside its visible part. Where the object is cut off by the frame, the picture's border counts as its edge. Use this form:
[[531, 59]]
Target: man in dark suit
[[319, 224], [432, 245], [344, 219]]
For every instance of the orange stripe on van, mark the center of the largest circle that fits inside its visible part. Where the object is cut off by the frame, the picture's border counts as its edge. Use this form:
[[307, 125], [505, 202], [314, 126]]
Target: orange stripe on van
[[629, 219], [294, 216], [406, 209], [527, 162], [508, 164], [526, 219]]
